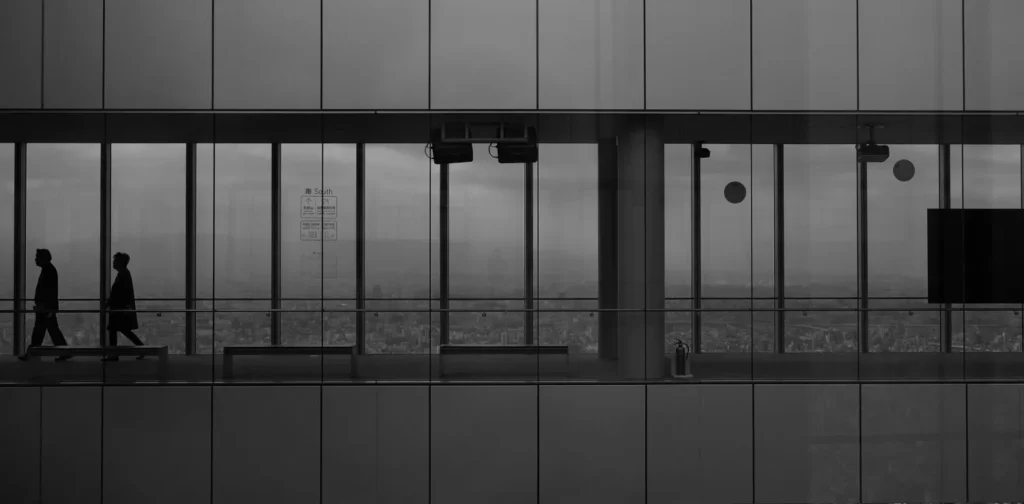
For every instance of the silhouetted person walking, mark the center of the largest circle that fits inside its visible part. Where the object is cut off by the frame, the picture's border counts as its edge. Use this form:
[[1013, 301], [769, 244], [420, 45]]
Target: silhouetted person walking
[[45, 304], [122, 301]]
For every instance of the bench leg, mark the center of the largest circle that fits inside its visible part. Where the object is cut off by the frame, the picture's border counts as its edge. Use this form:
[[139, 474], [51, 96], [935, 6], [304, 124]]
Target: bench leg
[[228, 371]]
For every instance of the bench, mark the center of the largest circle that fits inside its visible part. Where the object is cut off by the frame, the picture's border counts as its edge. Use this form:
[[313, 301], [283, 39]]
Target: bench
[[110, 351], [449, 349], [231, 351]]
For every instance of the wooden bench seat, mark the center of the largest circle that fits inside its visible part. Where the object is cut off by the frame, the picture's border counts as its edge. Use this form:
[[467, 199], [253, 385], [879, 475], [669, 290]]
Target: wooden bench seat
[[237, 350]]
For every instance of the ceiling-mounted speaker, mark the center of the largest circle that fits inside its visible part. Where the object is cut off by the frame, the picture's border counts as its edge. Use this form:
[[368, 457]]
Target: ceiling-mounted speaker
[[449, 153], [520, 152]]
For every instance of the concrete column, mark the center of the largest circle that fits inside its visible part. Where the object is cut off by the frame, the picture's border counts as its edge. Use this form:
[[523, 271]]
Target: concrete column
[[632, 255]]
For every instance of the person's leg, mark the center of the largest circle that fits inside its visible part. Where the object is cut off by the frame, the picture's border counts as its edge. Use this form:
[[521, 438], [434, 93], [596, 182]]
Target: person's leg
[[136, 341], [38, 332], [133, 338], [55, 333]]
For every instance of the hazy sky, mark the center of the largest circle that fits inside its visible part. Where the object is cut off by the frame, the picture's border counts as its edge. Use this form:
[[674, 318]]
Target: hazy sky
[[487, 207]]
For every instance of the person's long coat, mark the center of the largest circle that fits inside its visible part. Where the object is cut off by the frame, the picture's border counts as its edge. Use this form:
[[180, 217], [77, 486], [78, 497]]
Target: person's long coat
[[122, 297]]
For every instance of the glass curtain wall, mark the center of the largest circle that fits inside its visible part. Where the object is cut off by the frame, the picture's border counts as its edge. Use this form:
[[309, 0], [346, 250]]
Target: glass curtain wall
[[492, 246]]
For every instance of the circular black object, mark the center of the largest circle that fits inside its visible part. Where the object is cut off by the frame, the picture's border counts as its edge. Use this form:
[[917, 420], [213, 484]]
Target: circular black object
[[735, 192], [903, 170]]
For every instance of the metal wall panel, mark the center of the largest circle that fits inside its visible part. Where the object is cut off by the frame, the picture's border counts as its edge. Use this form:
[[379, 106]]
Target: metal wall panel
[[376, 54], [698, 54], [266, 444], [376, 444], [73, 54], [713, 421], [591, 54], [267, 54], [484, 444], [911, 55], [156, 437], [806, 444], [21, 53], [993, 59], [20, 430], [805, 54], [483, 54], [995, 442], [72, 428], [158, 54], [592, 444]]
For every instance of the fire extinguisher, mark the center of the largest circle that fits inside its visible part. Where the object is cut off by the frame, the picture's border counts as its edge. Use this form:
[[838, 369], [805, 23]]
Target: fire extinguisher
[[682, 360]]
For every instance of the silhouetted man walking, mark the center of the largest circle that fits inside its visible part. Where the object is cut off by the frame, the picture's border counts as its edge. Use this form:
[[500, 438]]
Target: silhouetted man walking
[[121, 302], [46, 304]]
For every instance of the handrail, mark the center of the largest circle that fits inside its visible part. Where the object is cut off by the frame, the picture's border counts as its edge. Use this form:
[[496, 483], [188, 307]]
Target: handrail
[[524, 310]]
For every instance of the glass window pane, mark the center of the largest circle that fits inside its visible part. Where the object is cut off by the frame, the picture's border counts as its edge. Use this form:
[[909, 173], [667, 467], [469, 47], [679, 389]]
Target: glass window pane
[[678, 218], [309, 220], [339, 256], [402, 252], [567, 224], [148, 223], [486, 209], [6, 253], [678, 239], [898, 251], [398, 222], [991, 179], [242, 243], [726, 249], [63, 216], [820, 191], [204, 248], [566, 245]]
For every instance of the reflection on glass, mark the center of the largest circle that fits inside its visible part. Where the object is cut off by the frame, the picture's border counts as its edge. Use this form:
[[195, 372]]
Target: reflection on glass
[[820, 198], [63, 215], [898, 251], [566, 244], [241, 244], [6, 254], [147, 202], [991, 179]]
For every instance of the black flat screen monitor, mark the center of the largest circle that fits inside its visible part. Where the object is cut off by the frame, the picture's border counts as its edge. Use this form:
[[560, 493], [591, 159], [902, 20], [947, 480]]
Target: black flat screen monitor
[[975, 256]]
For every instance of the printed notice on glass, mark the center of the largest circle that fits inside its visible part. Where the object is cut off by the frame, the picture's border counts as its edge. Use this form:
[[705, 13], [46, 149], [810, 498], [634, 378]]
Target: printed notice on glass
[[314, 230], [319, 206]]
